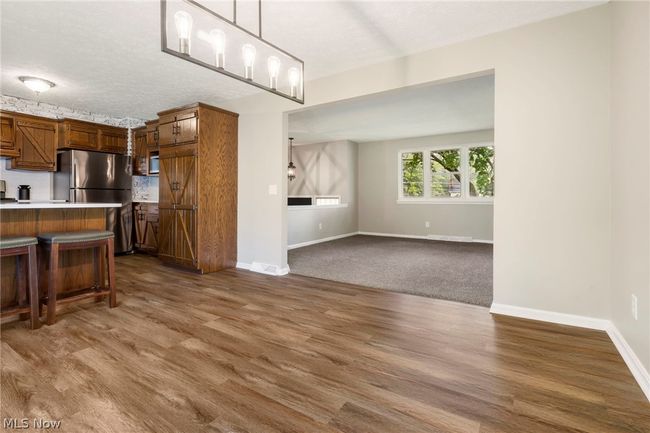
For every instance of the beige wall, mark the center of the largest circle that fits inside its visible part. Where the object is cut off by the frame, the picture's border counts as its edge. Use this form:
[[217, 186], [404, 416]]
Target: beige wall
[[324, 169], [379, 211], [551, 233], [630, 164]]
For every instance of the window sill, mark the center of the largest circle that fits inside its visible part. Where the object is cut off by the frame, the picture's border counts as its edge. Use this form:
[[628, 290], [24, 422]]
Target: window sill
[[323, 206], [445, 201]]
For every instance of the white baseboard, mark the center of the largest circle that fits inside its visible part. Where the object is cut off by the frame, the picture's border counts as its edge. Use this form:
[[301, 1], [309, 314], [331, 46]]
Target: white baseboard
[[429, 237], [550, 316], [264, 268], [318, 241], [633, 363]]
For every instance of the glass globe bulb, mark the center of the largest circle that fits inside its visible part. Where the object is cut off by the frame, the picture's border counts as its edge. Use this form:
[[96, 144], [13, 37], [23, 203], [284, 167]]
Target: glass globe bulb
[[248, 52], [218, 40], [273, 64], [183, 22], [294, 80]]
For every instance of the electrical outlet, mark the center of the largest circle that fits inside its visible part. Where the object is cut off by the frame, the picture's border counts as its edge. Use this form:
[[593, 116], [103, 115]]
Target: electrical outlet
[[427, 224], [635, 308], [320, 226]]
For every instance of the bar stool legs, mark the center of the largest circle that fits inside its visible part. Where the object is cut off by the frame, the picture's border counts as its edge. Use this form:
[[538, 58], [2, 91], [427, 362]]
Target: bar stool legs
[[110, 252], [56, 243], [34, 299], [24, 249], [51, 284]]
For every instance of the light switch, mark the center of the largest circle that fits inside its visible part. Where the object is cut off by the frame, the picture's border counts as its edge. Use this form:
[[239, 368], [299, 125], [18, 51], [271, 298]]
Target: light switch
[[273, 190]]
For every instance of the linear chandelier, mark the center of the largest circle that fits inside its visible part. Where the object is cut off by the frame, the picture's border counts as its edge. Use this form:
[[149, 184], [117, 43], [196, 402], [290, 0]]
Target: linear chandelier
[[199, 35]]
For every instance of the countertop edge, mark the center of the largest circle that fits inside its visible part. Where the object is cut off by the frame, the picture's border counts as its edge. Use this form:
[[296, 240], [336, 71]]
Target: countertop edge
[[46, 205]]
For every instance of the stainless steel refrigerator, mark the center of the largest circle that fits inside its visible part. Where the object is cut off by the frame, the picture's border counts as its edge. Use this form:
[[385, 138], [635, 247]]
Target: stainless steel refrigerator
[[96, 177]]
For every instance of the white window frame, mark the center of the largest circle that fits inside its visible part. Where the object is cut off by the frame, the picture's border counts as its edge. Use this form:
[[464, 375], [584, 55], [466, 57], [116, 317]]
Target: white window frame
[[426, 160]]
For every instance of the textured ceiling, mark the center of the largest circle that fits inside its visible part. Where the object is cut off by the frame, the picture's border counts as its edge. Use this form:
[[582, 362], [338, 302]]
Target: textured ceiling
[[464, 105], [105, 56]]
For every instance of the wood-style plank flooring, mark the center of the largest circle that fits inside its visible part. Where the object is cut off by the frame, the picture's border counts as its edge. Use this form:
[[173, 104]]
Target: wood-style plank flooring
[[241, 352]]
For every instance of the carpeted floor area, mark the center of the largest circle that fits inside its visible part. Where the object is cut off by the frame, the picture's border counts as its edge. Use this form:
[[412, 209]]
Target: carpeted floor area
[[456, 271]]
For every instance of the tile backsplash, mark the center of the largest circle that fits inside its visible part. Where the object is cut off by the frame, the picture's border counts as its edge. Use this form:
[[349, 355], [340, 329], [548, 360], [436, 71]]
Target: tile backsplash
[[145, 188]]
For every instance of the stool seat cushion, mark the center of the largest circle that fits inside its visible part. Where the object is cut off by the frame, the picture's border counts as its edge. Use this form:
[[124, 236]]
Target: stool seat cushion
[[71, 237], [17, 241]]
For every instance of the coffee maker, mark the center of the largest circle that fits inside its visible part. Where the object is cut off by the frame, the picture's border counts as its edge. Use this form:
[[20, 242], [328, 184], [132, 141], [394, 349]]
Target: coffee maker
[[3, 191]]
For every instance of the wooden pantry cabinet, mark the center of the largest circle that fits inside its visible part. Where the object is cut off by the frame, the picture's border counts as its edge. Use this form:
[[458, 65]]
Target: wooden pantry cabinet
[[198, 188]]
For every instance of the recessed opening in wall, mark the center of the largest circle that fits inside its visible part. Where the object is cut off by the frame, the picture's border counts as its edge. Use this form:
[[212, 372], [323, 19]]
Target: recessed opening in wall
[[401, 187]]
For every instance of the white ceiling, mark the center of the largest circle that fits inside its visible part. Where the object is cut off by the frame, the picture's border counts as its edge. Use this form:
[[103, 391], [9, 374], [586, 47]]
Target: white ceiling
[[458, 106], [105, 56]]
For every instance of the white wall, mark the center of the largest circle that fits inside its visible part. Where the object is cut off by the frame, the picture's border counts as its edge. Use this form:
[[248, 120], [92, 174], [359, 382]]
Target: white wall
[[379, 211], [324, 169], [261, 215], [551, 232], [40, 181], [630, 164]]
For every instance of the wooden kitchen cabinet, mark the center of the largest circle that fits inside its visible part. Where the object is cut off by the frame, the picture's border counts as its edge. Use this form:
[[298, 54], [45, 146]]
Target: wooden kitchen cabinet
[[140, 156], [113, 139], [7, 139], [152, 134], [146, 227], [36, 143], [178, 127], [198, 188], [77, 134]]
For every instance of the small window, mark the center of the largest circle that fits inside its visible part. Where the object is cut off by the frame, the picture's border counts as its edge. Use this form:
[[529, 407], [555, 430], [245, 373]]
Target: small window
[[481, 169], [327, 200], [412, 174], [445, 173]]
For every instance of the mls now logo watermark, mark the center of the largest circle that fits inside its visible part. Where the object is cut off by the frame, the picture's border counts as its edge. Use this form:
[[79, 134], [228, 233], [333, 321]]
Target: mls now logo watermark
[[26, 423]]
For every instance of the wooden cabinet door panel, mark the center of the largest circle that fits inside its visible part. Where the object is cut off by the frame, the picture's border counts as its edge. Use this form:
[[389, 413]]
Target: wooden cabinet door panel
[[185, 238], [187, 130], [36, 143], [140, 154], [80, 136], [166, 134], [167, 182], [186, 180], [150, 239], [139, 224], [113, 140], [167, 234], [7, 140], [152, 135]]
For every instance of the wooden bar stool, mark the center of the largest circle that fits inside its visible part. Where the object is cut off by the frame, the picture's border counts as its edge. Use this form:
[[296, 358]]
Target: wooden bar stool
[[53, 243], [24, 248]]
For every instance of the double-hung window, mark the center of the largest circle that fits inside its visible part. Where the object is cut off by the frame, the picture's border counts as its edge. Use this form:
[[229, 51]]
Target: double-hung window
[[453, 174]]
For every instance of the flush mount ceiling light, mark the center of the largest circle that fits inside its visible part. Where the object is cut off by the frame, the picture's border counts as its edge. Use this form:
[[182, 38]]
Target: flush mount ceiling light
[[192, 32], [37, 85]]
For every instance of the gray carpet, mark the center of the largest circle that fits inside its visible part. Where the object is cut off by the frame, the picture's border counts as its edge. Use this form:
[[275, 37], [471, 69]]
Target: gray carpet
[[456, 271]]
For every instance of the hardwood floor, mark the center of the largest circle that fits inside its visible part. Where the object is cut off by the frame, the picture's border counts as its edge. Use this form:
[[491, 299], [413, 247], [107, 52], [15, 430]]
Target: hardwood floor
[[242, 352]]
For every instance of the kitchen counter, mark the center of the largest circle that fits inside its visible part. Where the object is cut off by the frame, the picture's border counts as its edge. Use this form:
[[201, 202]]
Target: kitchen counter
[[29, 219], [56, 205]]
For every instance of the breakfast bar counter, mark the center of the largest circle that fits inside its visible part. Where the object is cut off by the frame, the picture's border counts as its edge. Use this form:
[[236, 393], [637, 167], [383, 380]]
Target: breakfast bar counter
[[30, 219]]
